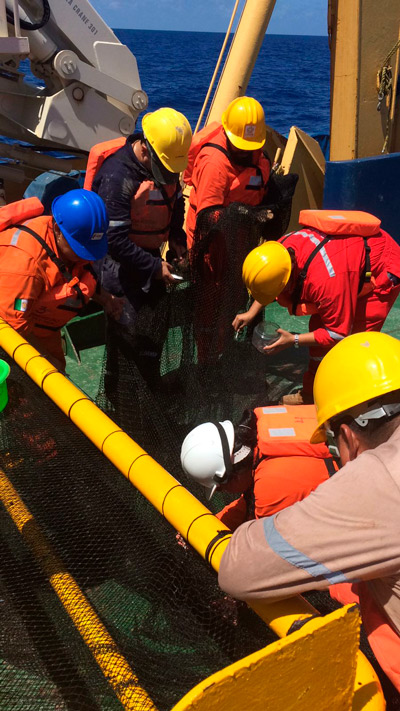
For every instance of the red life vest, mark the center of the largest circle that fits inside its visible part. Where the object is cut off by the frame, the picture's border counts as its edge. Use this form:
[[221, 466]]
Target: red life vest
[[331, 224], [65, 291], [151, 206], [246, 183]]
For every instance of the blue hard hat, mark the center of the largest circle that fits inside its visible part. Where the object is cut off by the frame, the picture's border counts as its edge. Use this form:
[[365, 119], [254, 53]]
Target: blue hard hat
[[82, 218]]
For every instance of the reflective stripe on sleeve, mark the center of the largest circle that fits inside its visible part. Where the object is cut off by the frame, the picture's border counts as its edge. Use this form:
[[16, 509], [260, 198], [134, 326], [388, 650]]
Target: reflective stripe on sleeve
[[295, 557], [334, 335], [14, 239], [119, 223]]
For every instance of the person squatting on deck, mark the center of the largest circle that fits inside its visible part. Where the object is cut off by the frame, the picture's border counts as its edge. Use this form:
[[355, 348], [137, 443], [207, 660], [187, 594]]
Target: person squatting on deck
[[346, 534], [45, 275], [267, 458], [138, 179], [341, 268]]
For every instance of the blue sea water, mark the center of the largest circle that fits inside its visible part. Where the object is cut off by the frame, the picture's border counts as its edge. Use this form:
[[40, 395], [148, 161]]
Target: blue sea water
[[290, 79]]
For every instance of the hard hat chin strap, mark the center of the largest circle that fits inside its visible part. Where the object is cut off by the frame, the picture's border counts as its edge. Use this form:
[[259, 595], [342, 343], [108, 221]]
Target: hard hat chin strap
[[225, 453]]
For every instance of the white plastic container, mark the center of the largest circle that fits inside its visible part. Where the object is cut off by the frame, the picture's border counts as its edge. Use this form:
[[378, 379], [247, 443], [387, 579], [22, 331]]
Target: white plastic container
[[264, 334]]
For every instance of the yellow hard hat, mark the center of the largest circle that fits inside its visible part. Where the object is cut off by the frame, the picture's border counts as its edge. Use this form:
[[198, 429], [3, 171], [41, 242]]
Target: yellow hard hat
[[244, 123], [360, 368], [169, 135], [266, 271]]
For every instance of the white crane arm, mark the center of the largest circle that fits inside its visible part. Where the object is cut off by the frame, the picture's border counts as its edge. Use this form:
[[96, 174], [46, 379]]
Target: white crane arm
[[92, 89]]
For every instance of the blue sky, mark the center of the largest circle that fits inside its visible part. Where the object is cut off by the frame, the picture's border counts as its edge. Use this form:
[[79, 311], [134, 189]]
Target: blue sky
[[306, 17]]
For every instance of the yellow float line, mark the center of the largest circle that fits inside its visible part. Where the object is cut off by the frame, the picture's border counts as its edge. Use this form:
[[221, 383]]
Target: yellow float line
[[104, 649], [186, 514]]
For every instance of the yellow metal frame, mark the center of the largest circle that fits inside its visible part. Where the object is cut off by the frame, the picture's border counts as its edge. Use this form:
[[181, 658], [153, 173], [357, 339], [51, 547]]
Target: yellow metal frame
[[291, 673], [193, 520]]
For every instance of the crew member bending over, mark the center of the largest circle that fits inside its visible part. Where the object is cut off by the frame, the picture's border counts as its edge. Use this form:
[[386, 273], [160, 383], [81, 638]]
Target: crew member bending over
[[342, 268], [226, 162], [45, 275]]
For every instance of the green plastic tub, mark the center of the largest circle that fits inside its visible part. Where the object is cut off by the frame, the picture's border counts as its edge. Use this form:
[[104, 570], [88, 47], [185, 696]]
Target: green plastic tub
[[4, 373]]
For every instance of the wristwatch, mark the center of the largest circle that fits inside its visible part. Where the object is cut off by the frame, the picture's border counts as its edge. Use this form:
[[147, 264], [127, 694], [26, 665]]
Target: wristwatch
[[296, 340]]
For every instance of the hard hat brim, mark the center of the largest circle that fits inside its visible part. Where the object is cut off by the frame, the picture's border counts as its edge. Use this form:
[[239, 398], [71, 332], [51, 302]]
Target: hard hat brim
[[97, 249], [318, 435]]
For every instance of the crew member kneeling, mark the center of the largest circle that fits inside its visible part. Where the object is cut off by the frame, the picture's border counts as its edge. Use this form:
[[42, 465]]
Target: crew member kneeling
[[267, 458]]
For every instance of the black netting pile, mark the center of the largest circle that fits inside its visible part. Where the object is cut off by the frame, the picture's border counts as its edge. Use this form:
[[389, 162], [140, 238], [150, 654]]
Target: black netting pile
[[160, 602], [180, 363]]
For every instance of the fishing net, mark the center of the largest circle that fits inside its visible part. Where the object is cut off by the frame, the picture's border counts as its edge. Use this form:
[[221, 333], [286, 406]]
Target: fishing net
[[180, 363], [160, 602]]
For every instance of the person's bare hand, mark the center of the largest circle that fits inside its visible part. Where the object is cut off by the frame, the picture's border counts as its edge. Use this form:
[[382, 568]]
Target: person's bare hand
[[179, 249], [241, 320], [114, 305], [285, 340], [165, 273]]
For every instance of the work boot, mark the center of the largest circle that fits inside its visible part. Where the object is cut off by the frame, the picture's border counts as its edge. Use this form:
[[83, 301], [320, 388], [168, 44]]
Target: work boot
[[298, 398]]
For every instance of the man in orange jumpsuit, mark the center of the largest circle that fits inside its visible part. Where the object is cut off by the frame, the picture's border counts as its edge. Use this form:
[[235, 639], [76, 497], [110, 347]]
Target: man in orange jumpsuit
[[226, 165], [45, 275], [226, 162]]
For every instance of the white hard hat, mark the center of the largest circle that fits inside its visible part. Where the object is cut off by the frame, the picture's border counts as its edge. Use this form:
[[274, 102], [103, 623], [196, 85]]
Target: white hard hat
[[207, 454]]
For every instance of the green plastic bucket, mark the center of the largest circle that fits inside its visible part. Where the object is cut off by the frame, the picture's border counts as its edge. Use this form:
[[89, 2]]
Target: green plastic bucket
[[4, 373]]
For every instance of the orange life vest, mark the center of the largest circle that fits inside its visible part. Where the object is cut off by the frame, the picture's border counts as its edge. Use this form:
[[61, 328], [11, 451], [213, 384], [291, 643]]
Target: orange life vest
[[65, 291], [246, 183], [285, 430], [151, 212], [341, 222], [286, 469], [19, 211], [97, 156], [198, 141], [151, 206]]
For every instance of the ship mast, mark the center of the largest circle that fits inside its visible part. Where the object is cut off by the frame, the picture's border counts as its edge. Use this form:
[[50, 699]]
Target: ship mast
[[363, 34], [242, 55]]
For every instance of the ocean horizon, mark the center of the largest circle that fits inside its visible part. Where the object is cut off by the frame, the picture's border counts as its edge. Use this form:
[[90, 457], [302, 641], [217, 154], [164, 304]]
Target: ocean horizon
[[291, 77]]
